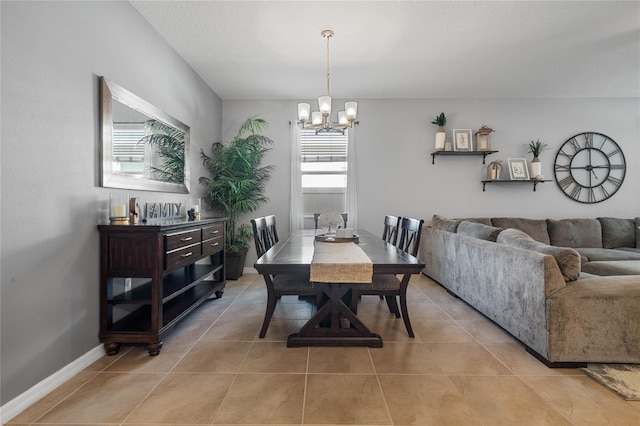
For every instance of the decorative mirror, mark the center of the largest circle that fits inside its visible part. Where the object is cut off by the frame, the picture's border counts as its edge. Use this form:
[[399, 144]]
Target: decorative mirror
[[142, 147]]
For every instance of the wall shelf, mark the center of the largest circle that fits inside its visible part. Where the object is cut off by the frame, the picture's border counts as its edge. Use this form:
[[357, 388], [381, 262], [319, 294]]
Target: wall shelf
[[456, 153], [535, 182]]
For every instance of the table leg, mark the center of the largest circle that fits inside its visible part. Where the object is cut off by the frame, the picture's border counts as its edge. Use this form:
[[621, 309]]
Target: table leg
[[314, 333]]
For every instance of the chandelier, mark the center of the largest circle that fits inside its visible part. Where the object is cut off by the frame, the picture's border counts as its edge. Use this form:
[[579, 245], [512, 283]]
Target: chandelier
[[321, 120]]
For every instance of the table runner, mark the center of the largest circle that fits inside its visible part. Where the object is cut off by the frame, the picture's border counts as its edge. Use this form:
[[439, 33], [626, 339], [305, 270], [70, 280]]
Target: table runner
[[340, 263]]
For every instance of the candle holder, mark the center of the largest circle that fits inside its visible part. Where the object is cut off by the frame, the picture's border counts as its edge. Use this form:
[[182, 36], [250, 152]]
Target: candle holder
[[194, 209], [119, 208]]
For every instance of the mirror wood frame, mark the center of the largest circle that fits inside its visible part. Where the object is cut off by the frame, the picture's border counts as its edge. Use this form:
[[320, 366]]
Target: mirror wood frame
[[110, 92]]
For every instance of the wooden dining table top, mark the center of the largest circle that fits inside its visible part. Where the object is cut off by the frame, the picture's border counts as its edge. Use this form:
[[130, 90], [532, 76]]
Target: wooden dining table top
[[293, 254]]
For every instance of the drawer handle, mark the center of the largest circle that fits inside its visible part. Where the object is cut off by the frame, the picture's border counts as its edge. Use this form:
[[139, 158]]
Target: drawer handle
[[214, 244], [214, 232], [186, 254], [186, 239]]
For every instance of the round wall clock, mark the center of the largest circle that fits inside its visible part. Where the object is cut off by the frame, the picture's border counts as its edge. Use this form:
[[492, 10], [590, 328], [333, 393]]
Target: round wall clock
[[589, 167]]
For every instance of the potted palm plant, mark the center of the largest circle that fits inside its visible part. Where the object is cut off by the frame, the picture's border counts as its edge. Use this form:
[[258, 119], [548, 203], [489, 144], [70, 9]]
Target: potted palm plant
[[236, 185], [536, 149]]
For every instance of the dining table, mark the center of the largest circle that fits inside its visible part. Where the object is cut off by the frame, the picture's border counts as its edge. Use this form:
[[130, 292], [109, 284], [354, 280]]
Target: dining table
[[302, 252]]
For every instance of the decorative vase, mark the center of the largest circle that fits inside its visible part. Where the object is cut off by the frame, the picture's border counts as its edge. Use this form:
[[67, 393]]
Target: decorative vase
[[440, 138], [536, 167]]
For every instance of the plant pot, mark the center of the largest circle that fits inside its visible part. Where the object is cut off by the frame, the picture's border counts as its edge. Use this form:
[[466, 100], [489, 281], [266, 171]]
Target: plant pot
[[440, 138], [536, 167], [234, 264]]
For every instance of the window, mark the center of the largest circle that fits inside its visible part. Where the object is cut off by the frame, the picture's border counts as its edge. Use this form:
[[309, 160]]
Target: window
[[128, 152], [324, 172]]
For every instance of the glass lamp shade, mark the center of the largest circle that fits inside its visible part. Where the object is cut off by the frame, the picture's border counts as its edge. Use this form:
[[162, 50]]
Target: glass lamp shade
[[316, 117], [324, 103], [342, 118], [304, 110], [352, 110]]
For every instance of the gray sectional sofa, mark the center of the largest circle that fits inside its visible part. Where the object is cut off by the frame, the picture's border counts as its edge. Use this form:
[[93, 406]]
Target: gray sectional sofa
[[569, 289]]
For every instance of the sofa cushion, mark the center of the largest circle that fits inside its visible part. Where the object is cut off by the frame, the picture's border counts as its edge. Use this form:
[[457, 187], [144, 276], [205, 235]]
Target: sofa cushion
[[575, 232], [618, 232], [444, 224], [535, 228], [478, 230], [613, 267], [482, 220], [601, 254], [567, 258], [637, 232]]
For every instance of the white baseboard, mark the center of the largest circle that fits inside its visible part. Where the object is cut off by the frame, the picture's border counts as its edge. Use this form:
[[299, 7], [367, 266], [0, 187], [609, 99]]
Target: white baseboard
[[23, 401]]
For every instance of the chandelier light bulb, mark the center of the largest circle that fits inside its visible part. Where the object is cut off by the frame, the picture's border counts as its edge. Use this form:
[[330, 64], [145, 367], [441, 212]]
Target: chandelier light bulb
[[304, 110], [342, 118], [316, 118], [324, 103], [352, 110]]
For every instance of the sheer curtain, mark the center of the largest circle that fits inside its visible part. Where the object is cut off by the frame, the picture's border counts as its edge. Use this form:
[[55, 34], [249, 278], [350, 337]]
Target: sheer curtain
[[352, 192], [296, 219]]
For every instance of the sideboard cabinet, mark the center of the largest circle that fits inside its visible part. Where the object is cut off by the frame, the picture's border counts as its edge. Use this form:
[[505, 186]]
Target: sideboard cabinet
[[150, 281]]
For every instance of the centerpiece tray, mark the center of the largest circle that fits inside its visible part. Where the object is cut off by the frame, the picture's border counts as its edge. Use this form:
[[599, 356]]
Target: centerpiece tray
[[333, 239]]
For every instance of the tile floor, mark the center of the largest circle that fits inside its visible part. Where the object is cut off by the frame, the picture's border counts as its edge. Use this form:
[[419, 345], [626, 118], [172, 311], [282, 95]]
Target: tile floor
[[459, 370]]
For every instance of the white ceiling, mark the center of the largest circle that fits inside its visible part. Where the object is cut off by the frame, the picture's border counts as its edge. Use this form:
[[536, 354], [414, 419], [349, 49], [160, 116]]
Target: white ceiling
[[406, 49]]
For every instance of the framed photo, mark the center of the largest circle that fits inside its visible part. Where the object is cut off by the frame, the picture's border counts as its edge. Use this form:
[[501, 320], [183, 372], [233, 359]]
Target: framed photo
[[462, 140], [518, 169]]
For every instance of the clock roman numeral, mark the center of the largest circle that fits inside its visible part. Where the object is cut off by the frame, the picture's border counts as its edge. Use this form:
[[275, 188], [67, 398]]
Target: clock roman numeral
[[564, 154], [617, 167], [575, 192], [562, 167], [588, 140], [614, 180], [566, 182], [592, 196], [575, 144], [605, 193], [614, 152]]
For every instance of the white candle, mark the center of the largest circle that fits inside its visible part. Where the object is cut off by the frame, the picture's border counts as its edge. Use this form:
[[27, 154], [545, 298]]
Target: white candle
[[119, 210]]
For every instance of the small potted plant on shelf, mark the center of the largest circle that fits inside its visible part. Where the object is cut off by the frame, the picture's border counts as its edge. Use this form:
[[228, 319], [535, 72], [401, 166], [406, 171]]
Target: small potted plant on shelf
[[536, 148], [237, 186], [440, 121]]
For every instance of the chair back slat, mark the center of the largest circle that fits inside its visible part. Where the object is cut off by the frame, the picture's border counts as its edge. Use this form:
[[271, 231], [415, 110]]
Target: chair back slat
[[260, 235], [272, 231], [410, 231], [390, 230]]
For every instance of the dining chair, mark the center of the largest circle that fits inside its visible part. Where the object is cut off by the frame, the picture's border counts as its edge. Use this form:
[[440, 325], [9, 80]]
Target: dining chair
[[388, 285], [316, 217], [272, 231], [390, 230], [281, 284]]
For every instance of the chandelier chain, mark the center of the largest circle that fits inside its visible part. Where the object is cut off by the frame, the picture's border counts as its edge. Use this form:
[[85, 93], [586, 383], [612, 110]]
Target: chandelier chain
[[328, 37]]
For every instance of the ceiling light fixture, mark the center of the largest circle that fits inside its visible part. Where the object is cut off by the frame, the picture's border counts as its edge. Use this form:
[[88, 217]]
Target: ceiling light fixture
[[321, 120]]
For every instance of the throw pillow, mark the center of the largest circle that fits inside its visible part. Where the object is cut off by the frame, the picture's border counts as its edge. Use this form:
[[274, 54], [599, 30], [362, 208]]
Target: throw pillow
[[568, 259], [444, 224], [575, 233], [617, 232], [535, 228], [478, 230]]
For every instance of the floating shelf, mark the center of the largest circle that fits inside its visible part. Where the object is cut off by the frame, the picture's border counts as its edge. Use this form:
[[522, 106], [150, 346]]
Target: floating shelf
[[454, 153], [535, 182]]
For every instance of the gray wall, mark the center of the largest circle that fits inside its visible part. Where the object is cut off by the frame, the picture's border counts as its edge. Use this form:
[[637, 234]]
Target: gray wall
[[395, 174], [52, 55]]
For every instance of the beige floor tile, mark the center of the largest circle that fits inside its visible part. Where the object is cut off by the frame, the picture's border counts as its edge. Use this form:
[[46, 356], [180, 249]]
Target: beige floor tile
[[212, 309], [522, 363], [486, 332], [107, 398], [280, 329], [466, 359], [213, 357], [458, 310], [297, 310], [391, 329], [437, 331], [506, 400], [234, 329], [345, 399], [404, 358], [106, 360], [340, 360], [583, 401], [275, 357], [138, 360], [425, 400], [263, 399], [183, 398], [53, 398], [425, 309]]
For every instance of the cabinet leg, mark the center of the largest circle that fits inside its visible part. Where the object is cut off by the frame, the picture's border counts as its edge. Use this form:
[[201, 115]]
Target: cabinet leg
[[154, 348], [112, 348], [219, 293]]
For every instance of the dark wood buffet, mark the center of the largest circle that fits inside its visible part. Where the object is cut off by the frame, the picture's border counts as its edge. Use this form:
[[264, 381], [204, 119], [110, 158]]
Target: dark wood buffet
[[150, 281]]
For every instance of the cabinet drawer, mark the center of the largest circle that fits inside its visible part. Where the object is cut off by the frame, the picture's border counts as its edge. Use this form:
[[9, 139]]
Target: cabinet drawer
[[182, 239], [214, 245], [213, 231], [182, 257]]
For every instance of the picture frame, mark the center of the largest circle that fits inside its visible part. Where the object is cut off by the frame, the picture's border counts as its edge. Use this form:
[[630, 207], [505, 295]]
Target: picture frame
[[518, 169], [462, 140]]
